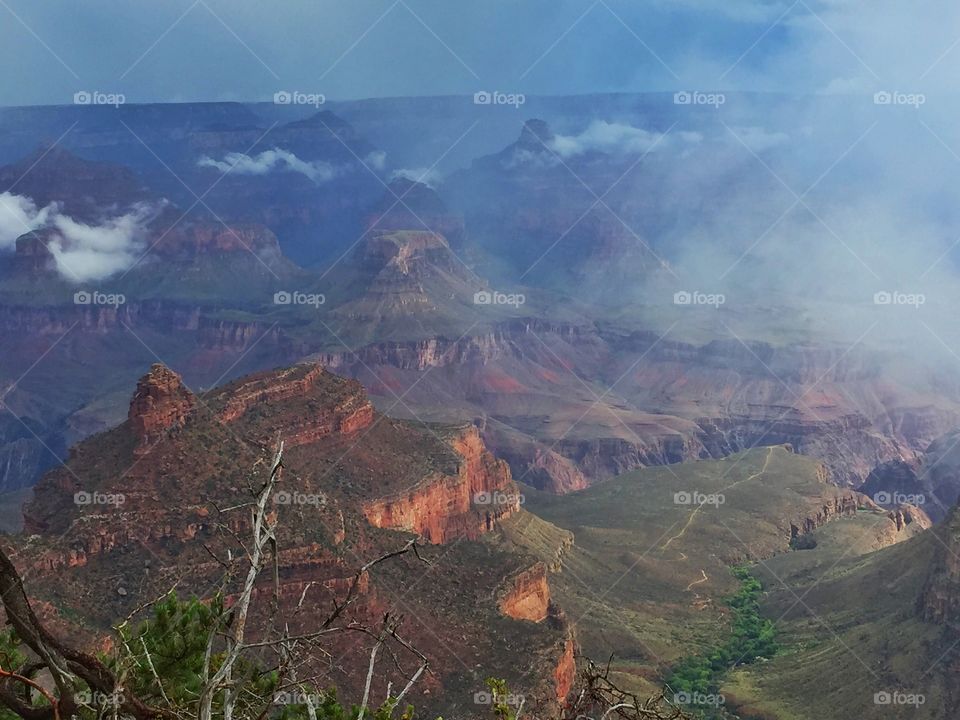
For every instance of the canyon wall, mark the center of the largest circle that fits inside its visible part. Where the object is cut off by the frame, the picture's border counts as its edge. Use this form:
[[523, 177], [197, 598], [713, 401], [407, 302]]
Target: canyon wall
[[527, 595], [444, 507]]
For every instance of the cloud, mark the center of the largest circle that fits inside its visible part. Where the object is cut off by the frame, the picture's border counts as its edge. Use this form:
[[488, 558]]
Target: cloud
[[428, 176], [269, 161], [19, 215], [616, 138], [83, 252], [80, 251], [376, 160], [759, 139]]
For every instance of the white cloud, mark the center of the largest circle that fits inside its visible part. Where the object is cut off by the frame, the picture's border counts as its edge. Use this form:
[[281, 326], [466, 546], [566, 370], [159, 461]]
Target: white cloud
[[269, 161], [427, 176], [616, 138], [84, 252], [759, 139], [80, 251], [19, 215]]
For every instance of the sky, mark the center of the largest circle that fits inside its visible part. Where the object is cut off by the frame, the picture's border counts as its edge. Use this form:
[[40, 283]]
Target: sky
[[189, 50]]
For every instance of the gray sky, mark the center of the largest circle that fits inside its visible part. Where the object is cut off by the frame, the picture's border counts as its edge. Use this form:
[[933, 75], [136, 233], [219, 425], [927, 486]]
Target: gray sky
[[248, 49]]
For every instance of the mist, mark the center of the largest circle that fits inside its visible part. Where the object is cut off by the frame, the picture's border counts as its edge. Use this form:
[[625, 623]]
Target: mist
[[269, 161], [19, 215]]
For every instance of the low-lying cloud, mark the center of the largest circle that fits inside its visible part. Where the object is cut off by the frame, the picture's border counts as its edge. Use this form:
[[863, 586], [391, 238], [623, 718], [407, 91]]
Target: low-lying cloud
[[760, 139], [19, 215], [268, 161], [617, 138], [83, 252], [428, 176]]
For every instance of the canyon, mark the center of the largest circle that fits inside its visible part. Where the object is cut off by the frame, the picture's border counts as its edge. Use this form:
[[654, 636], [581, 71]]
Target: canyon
[[569, 392], [491, 360]]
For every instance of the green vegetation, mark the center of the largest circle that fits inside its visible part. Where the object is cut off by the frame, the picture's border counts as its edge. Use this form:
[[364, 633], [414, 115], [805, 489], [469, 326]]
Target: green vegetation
[[500, 700], [753, 638], [165, 658]]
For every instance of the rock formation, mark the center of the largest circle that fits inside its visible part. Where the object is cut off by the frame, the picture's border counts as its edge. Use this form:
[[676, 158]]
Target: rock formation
[[163, 494], [527, 595], [160, 404], [443, 507]]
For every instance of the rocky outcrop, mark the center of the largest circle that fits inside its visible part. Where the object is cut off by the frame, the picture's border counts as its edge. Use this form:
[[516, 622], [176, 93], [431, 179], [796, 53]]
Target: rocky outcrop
[[527, 595], [161, 403], [907, 515], [845, 504], [351, 412], [345, 412], [443, 507], [566, 671]]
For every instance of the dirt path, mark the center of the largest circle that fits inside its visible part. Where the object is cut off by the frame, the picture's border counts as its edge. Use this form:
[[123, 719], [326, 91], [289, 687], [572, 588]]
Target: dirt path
[[697, 509], [701, 580]]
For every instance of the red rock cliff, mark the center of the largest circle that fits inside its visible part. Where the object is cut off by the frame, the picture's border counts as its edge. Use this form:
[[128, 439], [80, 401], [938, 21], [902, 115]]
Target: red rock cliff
[[445, 507], [566, 670], [843, 505], [347, 413], [161, 403], [527, 596]]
